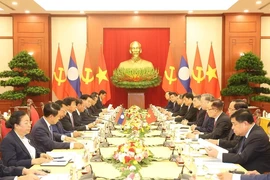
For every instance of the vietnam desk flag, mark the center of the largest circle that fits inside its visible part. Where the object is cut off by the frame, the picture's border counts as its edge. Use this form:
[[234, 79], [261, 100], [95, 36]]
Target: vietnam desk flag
[[73, 87], [87, 77], [212, 83], [197, 77], [170, 78], [183, 77], [59, 77], [150, 116], [102, 79]]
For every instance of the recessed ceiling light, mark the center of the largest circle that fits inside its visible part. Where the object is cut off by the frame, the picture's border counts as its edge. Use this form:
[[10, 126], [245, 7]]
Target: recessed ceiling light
[[1, 9], [27, 11], [136, 12], [258, 2], [246, 10], [14, 3], [81, 12], [190, 11]]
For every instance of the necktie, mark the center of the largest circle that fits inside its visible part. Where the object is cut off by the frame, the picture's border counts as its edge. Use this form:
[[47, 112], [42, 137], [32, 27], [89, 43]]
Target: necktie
[[51, 131], [72, 120], [241, 147]]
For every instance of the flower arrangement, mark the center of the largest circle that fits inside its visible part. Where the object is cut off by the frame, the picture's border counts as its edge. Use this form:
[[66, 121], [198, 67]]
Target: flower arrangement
[[135, 121], [141, 78], [130, 157]]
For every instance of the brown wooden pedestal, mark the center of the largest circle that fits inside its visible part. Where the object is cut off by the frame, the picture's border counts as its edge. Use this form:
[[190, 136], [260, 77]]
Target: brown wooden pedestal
[[136, 97]]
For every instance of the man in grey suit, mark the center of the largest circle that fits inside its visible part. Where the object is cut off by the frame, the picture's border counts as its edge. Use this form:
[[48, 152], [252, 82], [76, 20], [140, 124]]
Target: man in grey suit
[[43, 135]]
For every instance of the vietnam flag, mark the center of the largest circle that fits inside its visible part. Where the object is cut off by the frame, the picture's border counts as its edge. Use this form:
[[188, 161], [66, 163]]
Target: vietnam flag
[[150, 116], [73, 87], [87, 77], [212, 83], [102, 79], [197, 77], [59, 77], [170, 77]]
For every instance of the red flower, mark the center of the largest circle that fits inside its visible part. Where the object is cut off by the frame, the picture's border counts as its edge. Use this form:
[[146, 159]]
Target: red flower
[[131, 149], [127, 159]]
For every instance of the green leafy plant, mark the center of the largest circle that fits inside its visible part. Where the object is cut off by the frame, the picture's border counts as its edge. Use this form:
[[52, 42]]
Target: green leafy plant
[[247, 81], [136, 78], [24, 70]]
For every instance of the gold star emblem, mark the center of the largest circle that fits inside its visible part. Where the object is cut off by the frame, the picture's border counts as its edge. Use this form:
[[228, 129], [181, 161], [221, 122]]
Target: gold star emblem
[[101, 75], [211, 73]]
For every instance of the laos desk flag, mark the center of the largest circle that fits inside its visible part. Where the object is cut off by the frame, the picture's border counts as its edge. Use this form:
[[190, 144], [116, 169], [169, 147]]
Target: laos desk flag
[[121, 119]]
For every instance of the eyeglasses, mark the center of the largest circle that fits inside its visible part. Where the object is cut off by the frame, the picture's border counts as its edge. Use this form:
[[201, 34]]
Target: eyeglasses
[[210, 109]]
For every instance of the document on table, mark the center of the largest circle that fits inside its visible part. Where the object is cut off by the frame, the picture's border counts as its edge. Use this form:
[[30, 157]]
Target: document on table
[[208, 144]]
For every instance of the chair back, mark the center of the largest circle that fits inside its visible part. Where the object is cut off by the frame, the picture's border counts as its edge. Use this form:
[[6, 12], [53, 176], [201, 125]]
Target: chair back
[[34, 116], [4, 130]]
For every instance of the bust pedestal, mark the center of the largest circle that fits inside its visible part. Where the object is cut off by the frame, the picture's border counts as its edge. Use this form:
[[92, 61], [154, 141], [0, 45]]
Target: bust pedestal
[[136, 97]]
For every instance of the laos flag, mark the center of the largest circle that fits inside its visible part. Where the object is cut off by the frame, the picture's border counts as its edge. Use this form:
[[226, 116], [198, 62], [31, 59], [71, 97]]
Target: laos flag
[[73, 87]]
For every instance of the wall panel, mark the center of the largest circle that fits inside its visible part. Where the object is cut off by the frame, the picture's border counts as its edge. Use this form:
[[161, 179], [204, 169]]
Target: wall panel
[[32, 33]]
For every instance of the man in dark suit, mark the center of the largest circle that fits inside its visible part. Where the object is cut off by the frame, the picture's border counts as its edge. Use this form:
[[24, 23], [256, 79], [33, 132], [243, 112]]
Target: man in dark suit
[[222, 124], [253, 150], [231, 140], [43, 135], [101, 95], [58, 127], [68, 121], [200, 113], [191, 114], [169, 105], [21, 173], [86, 116], [183, 108], [208, 122]]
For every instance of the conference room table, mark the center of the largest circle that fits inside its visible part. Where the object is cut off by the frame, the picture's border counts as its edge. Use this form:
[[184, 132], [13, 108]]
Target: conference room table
[[162, 168]]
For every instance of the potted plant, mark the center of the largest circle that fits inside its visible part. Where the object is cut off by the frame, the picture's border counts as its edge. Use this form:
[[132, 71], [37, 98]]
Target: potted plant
[[246, 82], [24, 70]]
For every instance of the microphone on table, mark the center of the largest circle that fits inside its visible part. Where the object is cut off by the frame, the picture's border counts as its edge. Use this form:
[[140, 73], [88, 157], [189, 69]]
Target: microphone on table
[[183, 176]]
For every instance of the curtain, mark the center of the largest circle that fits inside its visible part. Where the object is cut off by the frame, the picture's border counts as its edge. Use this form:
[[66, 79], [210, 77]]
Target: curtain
[[155, 44]]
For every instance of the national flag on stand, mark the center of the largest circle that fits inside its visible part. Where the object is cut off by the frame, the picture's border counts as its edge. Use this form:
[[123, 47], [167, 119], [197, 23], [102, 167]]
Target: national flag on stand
[[212, 83], [87, 77], [183, 77], [59, 77], [197, 77], [118, 114], [73, 87], [102, 79], [121, 119], [170, 78], [150, 116]]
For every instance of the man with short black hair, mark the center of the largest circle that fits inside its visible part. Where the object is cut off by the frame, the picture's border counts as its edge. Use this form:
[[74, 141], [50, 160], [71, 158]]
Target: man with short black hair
[[101, 95], [253, 150]]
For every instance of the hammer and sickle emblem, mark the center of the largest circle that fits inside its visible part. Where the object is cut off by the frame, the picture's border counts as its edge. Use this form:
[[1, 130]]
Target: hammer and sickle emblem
[[59, 78], [199, 76], [170, 78], [87, 79]]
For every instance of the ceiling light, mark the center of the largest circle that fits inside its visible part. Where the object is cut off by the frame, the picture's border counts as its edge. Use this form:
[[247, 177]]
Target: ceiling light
[[246, 10], [31, 53], [1, 9], [140, 5], [258, 2], [190, 11], [14, 3], [136, 12], [27, 11]]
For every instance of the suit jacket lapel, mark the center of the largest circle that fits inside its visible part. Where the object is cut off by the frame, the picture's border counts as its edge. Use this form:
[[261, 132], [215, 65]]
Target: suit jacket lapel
[[20, 143]]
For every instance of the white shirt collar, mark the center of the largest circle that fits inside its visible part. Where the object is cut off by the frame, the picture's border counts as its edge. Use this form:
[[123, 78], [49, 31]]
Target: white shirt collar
[[48, 124], [218, 116], [249, 130]]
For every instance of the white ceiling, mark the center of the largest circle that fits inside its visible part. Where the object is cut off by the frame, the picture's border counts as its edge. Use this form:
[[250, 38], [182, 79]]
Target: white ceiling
[[125, 6]]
